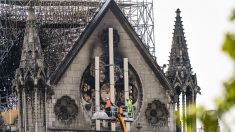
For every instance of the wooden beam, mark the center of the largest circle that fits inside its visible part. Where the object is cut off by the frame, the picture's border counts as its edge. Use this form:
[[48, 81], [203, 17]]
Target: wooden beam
[[126, 86], [111, 71], [97, 91], [126, 79]]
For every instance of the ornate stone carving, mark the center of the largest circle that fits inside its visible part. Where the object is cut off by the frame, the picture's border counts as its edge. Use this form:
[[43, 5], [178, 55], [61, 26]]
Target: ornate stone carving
[[156, 113], [66, 109]]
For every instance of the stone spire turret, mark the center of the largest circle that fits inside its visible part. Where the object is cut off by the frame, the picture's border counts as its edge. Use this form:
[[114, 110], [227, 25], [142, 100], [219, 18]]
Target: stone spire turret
[[31, 78], [31, 56], [179, 52], [183, 80]]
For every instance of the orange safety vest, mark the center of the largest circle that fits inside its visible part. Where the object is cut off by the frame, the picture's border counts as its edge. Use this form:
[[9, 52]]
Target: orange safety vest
[[108, 103]]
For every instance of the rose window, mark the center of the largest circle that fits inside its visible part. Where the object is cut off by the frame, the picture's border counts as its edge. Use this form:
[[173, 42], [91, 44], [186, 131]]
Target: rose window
[[156, 113], [88, 79], [66, 109]]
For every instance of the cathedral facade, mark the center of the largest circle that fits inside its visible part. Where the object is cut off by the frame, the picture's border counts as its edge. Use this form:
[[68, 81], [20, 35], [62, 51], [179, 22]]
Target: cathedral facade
[[108, 60]]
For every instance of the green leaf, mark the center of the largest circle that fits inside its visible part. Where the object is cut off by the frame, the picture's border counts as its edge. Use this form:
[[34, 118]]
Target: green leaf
[[229, 45]]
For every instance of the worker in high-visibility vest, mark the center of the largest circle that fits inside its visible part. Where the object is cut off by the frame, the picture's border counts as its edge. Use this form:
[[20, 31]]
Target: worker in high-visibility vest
[[129, 108]]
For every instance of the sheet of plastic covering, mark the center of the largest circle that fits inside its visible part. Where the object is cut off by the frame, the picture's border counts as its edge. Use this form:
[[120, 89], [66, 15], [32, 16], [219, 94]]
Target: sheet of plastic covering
[[100, 115], [9, 116]]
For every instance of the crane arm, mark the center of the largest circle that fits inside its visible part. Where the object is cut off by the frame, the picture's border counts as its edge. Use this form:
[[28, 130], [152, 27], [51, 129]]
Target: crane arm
[[122, 122]]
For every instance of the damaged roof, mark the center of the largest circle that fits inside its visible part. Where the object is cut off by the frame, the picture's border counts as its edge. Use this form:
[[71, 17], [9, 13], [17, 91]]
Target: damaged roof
[[108, 5]]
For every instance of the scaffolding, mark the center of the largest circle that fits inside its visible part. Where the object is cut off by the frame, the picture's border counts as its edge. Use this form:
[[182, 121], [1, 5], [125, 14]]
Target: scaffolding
[[61, 22]]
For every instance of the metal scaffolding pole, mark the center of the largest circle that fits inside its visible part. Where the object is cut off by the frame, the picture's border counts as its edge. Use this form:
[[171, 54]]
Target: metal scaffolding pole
[[61, 23]]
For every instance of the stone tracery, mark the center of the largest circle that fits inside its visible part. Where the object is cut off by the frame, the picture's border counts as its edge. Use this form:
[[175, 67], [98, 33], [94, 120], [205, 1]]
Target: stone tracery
[[66, 109], [156, 113]]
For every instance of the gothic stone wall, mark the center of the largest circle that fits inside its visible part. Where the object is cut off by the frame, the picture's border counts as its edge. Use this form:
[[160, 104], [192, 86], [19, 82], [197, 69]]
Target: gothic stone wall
[[69, 84]]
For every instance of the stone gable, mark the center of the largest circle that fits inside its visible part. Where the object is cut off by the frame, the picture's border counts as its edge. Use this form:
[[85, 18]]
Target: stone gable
[[70, 82]]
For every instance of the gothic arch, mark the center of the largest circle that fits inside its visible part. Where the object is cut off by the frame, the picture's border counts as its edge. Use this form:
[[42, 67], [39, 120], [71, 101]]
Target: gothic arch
[[189, 92], [177, 78], [177, 88]]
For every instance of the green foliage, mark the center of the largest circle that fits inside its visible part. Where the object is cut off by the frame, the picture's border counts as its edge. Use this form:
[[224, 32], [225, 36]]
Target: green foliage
[[227, 101], [210, 121], [229, 45], [229, 41]]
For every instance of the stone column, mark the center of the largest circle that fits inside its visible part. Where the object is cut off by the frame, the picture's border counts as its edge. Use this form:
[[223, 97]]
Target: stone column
[[24, 110], [36, 109], [183, 111], [45, 109], [172, 122]]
